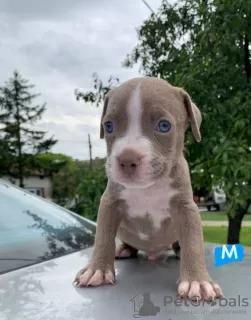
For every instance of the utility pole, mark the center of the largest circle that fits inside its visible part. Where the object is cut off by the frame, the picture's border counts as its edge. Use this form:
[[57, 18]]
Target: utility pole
[[90, 150], [149, 7]]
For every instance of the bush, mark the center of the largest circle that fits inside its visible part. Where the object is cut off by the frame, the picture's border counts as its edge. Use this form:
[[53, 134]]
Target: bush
[[90, 190]]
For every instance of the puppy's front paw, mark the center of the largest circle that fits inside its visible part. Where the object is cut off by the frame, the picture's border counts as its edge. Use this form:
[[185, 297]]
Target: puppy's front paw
[[199, 290], [94, 276]]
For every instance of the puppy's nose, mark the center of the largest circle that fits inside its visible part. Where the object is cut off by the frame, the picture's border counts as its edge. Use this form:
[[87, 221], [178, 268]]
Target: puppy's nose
[[129, 161]]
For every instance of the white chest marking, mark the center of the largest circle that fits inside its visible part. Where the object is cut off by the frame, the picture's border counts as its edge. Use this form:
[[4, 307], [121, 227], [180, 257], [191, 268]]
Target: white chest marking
[[143, 236], [154, 200]]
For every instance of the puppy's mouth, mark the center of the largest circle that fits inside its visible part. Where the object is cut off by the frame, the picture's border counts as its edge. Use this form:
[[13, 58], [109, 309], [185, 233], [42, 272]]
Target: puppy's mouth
[[134, 175], [133, 180]]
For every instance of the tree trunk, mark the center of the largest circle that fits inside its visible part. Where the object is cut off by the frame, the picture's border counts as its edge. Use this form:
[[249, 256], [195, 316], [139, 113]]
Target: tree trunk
[[234, 228], [20, 159], [19, 143], [234, 224], [21, 177]]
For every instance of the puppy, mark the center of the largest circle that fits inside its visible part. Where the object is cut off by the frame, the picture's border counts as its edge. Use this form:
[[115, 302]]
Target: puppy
[[148, 202]]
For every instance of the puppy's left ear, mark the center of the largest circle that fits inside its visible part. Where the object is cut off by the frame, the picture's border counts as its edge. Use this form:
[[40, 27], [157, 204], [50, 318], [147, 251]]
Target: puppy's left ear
[[194, 115]]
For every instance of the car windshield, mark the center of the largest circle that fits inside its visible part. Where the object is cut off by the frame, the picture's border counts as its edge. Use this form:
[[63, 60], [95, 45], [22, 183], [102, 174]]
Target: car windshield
[[34, 230]]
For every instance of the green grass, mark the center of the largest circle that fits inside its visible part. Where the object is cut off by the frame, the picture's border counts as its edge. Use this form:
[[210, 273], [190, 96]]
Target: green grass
[[219, 216], [219, 235]]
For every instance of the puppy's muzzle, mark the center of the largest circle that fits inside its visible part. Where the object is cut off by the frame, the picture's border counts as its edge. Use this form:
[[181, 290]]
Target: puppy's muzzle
[[129, 162]]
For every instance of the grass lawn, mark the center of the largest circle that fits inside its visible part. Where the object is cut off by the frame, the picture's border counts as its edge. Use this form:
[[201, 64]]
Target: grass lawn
[[219, 216], [219, 235]]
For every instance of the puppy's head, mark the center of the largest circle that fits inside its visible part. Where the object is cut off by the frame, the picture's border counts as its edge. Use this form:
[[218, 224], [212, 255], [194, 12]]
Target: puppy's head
[[144, 122]]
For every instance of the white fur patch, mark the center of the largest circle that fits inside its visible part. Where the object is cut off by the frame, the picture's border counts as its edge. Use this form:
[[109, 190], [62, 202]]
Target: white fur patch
[[154, 200], [133, 137], [143, 236], [134, 114]]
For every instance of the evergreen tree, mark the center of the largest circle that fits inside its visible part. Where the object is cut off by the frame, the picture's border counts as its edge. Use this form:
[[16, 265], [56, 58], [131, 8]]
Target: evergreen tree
[[19, 115], [4, 157]]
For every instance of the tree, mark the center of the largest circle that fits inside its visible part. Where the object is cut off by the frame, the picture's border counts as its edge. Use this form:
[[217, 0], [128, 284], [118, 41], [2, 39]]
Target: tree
[[4, 157], [63, 171], [208, 46], [24, 142], [65, 183], [204, 47], [51, 163], [91, 188], [79, 188], [4, 148], [100, 90]]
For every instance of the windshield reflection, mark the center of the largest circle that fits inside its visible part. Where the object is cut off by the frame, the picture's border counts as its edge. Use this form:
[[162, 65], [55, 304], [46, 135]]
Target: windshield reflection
[[61, 239], [34, 230]]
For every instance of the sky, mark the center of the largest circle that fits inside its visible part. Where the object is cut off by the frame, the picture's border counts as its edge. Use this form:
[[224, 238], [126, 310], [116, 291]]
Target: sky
[[58, 45]]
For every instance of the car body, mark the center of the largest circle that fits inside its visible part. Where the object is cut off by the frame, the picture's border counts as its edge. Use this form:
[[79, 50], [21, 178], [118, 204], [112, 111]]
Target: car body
[[44, 290]]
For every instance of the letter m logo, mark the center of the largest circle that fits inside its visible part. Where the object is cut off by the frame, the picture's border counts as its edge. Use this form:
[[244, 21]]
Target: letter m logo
[[228, 253], [233, 251]]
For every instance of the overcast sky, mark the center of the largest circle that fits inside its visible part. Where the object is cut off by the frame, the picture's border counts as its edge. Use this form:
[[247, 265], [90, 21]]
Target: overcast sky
[[58, 45]]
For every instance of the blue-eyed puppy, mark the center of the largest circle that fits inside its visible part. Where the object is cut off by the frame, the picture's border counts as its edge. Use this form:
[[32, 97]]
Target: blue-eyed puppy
[[148, 203]]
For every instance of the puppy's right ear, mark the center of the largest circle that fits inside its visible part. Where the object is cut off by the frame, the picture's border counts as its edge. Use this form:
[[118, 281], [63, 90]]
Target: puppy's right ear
[[194, 114], [103, 114]]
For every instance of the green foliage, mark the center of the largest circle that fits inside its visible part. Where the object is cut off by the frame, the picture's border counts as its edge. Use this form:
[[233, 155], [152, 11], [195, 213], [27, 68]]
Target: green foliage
[[51, 163], [205, 48], [65, 183], [63, 170], [4, 157], [91, 188], [18, 117], [100, 90], [76, 186]]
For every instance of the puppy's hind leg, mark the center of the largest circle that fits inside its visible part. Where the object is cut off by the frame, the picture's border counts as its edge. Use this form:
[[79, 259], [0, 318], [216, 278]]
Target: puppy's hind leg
[[124, 251]]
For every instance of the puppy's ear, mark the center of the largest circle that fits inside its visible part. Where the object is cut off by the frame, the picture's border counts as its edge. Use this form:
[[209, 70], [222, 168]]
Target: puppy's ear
[[194, 115], [103, 114]]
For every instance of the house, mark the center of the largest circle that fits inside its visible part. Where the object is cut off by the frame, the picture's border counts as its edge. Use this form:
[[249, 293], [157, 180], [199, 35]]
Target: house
[[35, 182]]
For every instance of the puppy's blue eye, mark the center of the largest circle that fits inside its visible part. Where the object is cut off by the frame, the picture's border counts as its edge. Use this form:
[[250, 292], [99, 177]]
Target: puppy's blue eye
[[109, 127], [163, 126]]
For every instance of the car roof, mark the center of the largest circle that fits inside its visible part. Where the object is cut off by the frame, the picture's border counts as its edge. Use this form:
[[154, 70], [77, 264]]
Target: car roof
[[45, 291]]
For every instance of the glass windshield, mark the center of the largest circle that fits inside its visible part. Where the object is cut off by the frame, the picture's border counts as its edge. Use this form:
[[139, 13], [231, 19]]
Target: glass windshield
[[34, 230]]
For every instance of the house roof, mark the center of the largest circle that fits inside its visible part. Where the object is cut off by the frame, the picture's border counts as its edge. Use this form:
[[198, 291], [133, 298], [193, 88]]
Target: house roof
[[31, 172]]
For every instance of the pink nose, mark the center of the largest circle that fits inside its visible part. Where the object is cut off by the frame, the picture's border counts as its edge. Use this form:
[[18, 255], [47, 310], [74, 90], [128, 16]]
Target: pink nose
[[129, 161]]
